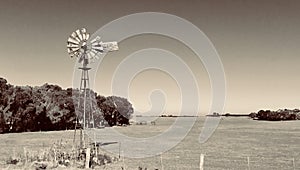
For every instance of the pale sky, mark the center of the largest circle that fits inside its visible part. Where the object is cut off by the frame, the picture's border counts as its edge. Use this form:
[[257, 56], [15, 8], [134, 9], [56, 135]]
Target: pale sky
[[257, 40]]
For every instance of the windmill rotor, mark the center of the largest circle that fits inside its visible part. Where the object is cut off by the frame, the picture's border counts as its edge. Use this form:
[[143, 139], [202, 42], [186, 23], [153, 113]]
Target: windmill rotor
[[76, 41], [78, 46]]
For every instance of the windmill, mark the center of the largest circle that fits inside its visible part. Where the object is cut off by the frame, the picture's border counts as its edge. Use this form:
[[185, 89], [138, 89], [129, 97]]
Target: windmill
[[79, 46]]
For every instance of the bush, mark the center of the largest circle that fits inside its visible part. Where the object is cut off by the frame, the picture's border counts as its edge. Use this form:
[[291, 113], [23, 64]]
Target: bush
[[276, 115], [253, 115]]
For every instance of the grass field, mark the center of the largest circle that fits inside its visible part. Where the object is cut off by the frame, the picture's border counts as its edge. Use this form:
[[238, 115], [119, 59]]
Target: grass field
[[267, 145]]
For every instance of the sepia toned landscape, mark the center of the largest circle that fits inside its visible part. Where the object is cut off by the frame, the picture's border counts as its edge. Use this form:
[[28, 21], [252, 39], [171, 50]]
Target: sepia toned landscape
[[149, 85]]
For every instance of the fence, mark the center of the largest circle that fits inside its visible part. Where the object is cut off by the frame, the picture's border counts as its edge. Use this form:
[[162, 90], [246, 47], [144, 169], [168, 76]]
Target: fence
[[249, 163], [190, 161], [209, 162]]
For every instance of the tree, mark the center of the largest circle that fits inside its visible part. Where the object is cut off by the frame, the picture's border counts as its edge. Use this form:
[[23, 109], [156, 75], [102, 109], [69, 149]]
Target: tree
[[116, 110], [277, 115], [49, 107], [3, 127], [22, 99]]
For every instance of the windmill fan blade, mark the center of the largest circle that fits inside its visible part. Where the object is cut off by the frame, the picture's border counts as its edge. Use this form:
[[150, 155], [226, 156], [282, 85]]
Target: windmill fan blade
[[73, 52], [71, 40], [69, 51], [83, 37], [95, 44], [74, 35], [87, 36], [98, 48], [92, 53], [95, 40], [83, 33], [96, 51], [79, 34], [74, 48], [72, 45], [83, 30], [76, 53]]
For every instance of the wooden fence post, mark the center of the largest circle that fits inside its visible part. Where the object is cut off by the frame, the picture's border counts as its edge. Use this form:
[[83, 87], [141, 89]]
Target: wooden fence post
[[201, 165], [294, 165], [81, 139], [95, 145], [248, 162], [161, 162], [87, 158], [25, 154], [119, 149], [124, 161]]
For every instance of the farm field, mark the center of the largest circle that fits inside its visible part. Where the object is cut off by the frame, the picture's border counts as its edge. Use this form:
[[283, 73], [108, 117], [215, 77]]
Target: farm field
[[238, 143]]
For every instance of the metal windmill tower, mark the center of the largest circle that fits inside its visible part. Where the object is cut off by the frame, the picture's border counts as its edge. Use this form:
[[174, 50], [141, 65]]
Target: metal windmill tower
[[79, 46]]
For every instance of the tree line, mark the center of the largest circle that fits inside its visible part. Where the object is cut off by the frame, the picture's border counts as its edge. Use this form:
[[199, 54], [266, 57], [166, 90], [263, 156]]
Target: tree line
[[281, 114], [49, 107]]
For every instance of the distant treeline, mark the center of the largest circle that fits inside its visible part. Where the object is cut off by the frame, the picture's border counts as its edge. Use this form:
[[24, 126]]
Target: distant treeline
[[177, 115], [49, 107], [281, 114]]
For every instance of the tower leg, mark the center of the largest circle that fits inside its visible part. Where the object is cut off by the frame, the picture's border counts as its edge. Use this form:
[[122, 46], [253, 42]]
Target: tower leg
[[85, 116]]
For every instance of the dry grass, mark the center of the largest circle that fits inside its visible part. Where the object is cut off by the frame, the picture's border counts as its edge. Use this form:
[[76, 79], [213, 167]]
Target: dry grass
[[269, 145]]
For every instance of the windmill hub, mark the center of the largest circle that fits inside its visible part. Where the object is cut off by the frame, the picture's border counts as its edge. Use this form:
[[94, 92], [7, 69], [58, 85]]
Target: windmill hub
[[84, 47], [83, 44]]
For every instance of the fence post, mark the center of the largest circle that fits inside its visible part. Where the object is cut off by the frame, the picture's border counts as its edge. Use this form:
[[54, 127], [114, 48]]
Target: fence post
[[201, 161], [294, 165], [82, 145], [54, 155], [123, 161], [161, 162], [119, 149], [95, 145], [87, 158], [25, 155], [248, 162]]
